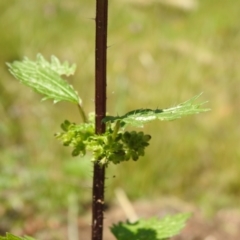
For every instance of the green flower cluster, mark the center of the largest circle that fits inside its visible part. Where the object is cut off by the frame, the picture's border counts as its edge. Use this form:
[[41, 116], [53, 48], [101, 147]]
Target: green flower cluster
[[106, 148], [123, 147], [76, 136]]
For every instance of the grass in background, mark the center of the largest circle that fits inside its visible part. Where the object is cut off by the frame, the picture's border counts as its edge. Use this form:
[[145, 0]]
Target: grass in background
[[157, 56]]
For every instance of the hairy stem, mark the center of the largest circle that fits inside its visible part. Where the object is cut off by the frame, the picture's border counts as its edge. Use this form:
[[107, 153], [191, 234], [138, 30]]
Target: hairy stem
[[100, 112]]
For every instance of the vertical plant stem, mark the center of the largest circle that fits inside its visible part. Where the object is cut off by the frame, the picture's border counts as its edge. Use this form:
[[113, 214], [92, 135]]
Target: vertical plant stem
[[100, 111]]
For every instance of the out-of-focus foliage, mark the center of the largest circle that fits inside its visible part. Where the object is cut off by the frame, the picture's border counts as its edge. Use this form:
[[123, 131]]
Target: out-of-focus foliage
[[157, 56], [153, 228], [10, 236]]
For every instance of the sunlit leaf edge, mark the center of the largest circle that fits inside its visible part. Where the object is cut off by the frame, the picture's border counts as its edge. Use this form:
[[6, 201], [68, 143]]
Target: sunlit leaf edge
[[44, 77], [140, 116]]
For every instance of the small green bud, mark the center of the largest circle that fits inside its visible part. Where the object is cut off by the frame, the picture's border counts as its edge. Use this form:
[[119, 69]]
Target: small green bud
[[65, 125], [144, 144], [141, 152], [146, 138], [75, 152], [140, 134], [126, 136], [127, 156], [66, 144], [133, 134], [134, 156]]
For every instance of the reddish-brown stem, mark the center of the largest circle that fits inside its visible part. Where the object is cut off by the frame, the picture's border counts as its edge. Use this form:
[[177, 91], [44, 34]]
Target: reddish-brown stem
[[100, 111]]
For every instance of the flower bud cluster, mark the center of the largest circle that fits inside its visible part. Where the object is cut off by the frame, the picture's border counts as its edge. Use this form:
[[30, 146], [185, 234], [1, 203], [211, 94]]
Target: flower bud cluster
[[106, 148], [76, 136]]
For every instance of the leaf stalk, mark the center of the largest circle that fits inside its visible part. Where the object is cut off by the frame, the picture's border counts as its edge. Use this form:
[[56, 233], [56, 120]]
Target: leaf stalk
[[82, 113]]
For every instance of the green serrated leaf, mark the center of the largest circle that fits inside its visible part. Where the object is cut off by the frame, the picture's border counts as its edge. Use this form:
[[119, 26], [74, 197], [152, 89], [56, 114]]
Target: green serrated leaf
[[10, 236], [138, 117], [151, 229], [45, 78]]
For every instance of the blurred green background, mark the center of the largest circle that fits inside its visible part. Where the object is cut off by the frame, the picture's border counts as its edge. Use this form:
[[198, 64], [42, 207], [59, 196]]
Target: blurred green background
[[158, 56]]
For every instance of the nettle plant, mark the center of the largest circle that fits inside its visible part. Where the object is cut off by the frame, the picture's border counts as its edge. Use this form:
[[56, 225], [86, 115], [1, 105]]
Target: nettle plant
[[106, 137], [114, 146]]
